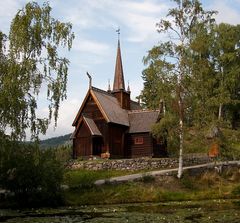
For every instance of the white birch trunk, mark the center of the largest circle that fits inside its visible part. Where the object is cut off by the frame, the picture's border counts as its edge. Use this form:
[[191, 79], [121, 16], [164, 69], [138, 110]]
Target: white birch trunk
[[180, 165], [164, 108], [220, 112]]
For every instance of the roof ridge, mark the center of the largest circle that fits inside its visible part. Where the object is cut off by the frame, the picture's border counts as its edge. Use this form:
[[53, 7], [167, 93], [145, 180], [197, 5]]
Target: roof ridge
[[102, 91], [134, 102], [142, 111]]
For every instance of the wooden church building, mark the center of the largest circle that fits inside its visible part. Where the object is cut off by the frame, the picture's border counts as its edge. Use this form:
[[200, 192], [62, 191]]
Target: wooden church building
[[109, 121]]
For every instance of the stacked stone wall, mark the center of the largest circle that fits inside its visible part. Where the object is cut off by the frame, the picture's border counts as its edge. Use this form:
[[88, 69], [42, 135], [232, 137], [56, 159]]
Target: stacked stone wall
[[144, 163]]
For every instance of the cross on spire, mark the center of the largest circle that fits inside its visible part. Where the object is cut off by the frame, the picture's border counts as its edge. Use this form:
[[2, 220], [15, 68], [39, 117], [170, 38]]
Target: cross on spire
[[118, 32], [118, 83]]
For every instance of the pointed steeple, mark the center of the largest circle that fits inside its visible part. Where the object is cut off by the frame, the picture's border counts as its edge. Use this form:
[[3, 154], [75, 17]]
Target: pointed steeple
[[109, 87], [128, 88], [118, 83]]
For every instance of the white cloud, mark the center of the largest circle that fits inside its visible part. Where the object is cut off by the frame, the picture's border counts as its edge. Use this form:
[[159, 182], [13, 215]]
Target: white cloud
[[226, 13], [91, 46], [140, 18], [8, 10], [67, 112], [87, 14]]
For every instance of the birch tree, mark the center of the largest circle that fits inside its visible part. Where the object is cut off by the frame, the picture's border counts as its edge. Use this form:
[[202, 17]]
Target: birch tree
[[32, 61], [175, 55]]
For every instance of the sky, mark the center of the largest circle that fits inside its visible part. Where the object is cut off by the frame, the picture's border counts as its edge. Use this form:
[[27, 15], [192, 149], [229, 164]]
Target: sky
[[95, 45]]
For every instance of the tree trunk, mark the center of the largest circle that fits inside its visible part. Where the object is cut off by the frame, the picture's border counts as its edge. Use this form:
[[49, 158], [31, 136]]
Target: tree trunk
[[180, 165], [181, 134], [220, 112]]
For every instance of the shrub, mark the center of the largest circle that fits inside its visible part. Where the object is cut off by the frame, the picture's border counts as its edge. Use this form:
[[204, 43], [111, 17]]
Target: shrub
[[63, 153], [147, 178], [188, 182], [34, 176], [236, 191]]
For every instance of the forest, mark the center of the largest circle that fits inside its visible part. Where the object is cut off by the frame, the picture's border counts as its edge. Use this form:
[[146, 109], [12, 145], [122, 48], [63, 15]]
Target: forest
[[195, 75]]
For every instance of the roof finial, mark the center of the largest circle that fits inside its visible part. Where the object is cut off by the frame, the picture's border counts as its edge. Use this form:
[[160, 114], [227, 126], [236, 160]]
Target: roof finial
[[90, 80]]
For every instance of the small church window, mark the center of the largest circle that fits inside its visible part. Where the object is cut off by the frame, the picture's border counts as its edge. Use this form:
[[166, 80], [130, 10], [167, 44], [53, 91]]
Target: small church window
[[138, 140]]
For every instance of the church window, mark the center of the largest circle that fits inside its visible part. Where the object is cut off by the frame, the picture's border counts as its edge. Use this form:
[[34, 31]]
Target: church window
[[138, 140]]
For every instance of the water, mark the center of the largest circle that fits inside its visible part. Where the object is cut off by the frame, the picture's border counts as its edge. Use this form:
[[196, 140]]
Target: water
[[189, 211]]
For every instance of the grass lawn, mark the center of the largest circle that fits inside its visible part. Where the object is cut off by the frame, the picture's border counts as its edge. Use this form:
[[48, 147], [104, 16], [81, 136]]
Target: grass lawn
[[208, 185]]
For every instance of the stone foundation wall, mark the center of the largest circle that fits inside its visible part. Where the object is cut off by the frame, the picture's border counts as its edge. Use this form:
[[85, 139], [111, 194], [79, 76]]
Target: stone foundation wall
[[139, 163]]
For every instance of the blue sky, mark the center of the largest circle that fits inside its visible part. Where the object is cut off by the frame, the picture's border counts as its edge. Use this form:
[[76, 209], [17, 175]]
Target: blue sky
[[94, 48]]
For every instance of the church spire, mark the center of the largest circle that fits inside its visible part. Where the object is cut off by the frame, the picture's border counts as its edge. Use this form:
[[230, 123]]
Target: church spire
[[118, 83]]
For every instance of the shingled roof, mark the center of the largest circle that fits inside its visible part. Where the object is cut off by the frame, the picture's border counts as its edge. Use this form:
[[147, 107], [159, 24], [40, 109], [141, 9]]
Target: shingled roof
[[135, 105], [111, 107], [118, 83], [92, 126], [142, 121]]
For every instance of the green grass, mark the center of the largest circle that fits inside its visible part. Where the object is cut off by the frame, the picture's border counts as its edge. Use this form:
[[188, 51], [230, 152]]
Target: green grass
[[85, 178], [208, 185]]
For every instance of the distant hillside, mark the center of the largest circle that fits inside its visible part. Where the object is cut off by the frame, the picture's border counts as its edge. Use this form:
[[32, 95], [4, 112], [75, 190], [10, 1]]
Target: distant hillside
[[56, 141]]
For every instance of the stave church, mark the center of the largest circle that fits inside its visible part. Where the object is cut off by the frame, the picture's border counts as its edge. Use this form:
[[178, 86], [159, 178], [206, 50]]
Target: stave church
[[110, 122]]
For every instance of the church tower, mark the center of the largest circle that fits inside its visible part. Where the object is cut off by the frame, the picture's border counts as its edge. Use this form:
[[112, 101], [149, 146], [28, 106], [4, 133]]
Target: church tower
[[119, 91]]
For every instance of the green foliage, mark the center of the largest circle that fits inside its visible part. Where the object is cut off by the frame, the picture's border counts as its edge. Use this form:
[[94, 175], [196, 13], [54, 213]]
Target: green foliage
[[34, 176], [236, 191], [80, 179], [167, 128], [230, 144], [170, 63], [63, 153], [147, 178], [55, 141], [32, 61], [196, 73]]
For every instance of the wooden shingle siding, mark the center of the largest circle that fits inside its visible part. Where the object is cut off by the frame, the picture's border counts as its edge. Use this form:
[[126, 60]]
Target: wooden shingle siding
[[82, 142], [116, 140], [103, 127], [140, 150], [91, 110]]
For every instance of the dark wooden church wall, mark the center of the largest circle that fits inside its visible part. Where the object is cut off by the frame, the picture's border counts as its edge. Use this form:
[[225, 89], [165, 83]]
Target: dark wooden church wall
[[103, 128], [116, 140], [91, 110], [82, 142], [139, 145]]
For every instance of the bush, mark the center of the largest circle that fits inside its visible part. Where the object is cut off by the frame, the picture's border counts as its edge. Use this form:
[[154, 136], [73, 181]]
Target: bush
[[63, 153], [80, 179], [188, 182], [236, 191], [34, 176], [147, 178]]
